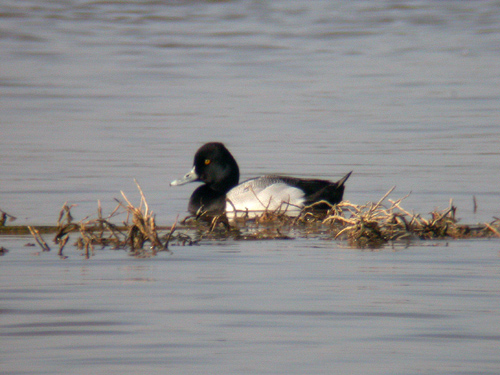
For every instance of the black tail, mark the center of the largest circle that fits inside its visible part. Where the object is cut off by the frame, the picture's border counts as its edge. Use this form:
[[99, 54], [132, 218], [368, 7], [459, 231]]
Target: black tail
[[331, 192], [343, 179]]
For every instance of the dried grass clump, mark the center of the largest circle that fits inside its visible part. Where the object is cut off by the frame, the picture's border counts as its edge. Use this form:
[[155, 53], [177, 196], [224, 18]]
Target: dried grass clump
[[143, 227], [134, 233], [373, 225], [93, 232]]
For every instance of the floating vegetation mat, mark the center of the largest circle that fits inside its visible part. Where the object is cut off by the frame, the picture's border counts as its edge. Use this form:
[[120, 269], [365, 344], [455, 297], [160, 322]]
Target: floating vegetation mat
[[371, 225]]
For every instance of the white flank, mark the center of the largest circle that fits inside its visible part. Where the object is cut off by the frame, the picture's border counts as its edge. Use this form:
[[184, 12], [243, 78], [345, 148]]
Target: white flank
[[256, 196]]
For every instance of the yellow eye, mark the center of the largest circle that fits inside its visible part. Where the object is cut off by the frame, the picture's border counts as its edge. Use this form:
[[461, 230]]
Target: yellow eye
[[207, 161]]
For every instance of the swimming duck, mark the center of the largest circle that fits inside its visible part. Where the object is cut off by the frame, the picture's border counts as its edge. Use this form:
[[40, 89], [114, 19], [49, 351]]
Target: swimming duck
[[216, 167]]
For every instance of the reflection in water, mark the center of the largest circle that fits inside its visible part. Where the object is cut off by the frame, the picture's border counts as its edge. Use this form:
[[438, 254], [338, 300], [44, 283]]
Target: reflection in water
[[230, 311]]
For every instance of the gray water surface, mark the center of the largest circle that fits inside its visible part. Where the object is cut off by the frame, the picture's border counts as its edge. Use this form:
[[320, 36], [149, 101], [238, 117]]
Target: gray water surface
[[276, 307], [95, 94]]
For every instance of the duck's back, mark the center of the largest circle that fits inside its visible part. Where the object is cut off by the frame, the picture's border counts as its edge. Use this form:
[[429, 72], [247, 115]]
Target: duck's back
[[282, 194], [316, 190]]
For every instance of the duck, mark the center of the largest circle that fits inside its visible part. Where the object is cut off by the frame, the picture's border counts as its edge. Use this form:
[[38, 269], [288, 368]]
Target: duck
[[221, 192]]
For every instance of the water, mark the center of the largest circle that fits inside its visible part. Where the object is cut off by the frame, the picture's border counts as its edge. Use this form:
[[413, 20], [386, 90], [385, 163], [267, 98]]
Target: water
[[96, 93], [278, 307]]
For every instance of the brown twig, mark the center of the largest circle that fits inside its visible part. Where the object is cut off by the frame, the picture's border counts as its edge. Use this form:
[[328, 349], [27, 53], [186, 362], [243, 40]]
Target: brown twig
[[4, 217], [497, 233], [36, 234]]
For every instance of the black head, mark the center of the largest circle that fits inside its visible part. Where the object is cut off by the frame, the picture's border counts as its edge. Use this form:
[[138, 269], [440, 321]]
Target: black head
[[215, 166]]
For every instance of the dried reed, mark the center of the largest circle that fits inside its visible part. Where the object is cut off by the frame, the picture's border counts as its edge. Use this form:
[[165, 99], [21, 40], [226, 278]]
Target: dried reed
[[4, 217], [36, 235], [371, 225], [143, 227]]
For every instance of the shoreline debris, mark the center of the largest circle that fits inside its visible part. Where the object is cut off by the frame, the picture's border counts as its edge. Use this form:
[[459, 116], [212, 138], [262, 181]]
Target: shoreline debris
[[4, 217], [372, 226], [38, 238]]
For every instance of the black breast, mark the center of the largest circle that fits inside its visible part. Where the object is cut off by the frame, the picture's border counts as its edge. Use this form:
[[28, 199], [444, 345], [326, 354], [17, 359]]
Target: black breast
[[208, 200]]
